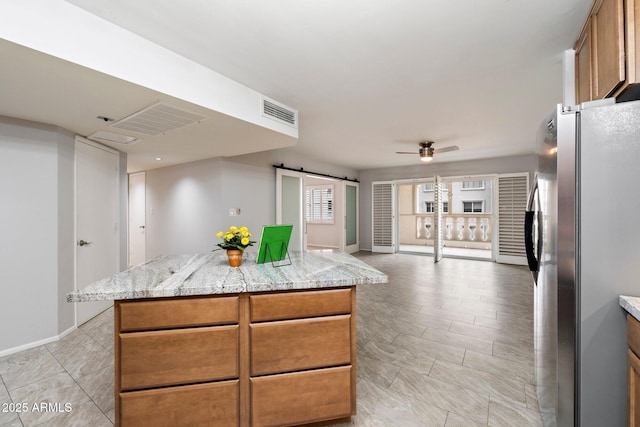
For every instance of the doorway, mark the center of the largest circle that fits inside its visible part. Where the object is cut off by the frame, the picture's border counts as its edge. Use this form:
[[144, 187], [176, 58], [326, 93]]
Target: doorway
[[468, 217], [323, 210], [137, 218], [466, 222]]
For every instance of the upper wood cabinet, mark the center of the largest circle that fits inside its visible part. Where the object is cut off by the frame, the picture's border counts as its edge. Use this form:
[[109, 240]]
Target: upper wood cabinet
[[608, 46], [606, 50], [584, 76]]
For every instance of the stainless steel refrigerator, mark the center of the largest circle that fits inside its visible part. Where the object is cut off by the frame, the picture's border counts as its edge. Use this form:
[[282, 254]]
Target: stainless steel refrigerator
[[582, 232]]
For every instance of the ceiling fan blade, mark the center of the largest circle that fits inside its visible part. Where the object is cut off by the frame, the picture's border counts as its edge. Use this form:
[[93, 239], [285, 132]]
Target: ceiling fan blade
[[406, 152], [445, 149]]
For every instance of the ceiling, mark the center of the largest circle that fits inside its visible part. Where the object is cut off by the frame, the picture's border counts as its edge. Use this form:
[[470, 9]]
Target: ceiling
[[45, 89], [368, 77]]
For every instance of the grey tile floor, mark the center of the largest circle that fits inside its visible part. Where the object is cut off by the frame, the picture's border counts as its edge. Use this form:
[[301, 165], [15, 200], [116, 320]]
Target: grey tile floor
[[447, 344]]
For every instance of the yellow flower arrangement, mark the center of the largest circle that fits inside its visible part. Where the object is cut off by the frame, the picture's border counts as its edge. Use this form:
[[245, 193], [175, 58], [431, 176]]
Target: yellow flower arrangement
[[235, 238]]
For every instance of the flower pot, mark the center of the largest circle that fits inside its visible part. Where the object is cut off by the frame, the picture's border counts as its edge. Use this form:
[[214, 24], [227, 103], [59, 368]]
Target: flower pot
[[235, 257]]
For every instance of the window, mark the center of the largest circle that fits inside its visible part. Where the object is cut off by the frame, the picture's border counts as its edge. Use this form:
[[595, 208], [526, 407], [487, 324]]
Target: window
[[428, 186], [319, 200], [475, 206], [473, 185], [431, 208]]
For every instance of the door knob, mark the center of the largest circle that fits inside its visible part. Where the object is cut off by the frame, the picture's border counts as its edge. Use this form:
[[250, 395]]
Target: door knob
[[83, 243]]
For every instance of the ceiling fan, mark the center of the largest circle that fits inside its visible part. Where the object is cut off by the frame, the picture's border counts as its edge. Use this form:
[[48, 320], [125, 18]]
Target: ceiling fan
[[426, 150]]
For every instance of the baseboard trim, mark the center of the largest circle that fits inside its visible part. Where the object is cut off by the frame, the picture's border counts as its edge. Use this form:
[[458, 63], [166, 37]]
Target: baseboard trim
[[323, 246], [31, 345]]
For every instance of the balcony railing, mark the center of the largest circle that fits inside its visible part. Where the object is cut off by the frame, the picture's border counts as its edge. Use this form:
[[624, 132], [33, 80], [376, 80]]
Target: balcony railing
[[466, 227]]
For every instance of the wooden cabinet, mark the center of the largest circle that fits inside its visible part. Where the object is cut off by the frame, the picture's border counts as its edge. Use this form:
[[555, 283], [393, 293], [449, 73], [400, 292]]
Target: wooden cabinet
[[177, 313], [584, 76], [298, 305], [633, 362], [301, 397], [606, 50], [263, 359], [295, 345], [172, 356], [181, 356], [214, 404], [634, 388], [608, 24], [302, 369]]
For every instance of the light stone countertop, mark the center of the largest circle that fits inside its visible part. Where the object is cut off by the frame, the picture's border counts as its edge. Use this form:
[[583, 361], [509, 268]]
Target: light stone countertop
[[205, 274], [631, 304]]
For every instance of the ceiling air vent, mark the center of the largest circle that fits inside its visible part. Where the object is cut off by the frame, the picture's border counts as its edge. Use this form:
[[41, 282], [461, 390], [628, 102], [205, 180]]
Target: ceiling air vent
[[279, 112], [158, 119]]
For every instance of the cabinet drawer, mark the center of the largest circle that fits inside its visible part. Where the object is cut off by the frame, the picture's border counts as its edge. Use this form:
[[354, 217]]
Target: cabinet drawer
[[294, 345], [296, 305], [301, 397], [213, 404], [177, 313], [633, 333], [161, 358]]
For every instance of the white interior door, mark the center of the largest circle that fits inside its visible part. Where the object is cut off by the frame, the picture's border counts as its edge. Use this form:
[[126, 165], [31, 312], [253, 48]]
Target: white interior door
[[137, 218], [290, 206], [351, 233], [97, 228]]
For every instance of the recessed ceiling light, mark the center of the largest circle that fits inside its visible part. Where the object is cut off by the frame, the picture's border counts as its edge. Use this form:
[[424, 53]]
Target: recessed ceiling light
[[158, 158]]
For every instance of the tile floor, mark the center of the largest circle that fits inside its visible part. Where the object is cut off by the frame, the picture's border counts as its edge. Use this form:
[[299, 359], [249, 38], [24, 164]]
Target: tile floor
[[448, 251], [447, 344]]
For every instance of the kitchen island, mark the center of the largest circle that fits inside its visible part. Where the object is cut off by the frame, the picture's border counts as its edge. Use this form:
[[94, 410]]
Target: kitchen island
[[632, 306], [200, 343]]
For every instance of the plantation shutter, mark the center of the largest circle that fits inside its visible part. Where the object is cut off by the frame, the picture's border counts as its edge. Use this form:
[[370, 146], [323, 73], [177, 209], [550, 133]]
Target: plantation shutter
[[314, 205], [319, 200], [327, 204], [512, 203], [382, 209], [438, 243]]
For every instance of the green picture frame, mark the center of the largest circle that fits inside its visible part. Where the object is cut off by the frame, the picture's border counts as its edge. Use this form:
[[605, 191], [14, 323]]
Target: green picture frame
[[274, 243]]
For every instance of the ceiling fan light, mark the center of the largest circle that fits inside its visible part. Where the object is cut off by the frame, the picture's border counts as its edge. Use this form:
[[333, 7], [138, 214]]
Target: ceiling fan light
[[426, 154]]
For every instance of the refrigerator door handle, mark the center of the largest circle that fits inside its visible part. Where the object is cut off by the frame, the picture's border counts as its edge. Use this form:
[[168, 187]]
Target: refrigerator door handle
[[529, 218]]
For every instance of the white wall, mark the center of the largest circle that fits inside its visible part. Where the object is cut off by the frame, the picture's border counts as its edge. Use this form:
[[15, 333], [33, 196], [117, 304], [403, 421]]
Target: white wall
[[66, 227], [569, 77], [187, 204], [37, 233], [252, 189], [29, 230], [514, 164], [36, 225], [183, 207]]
